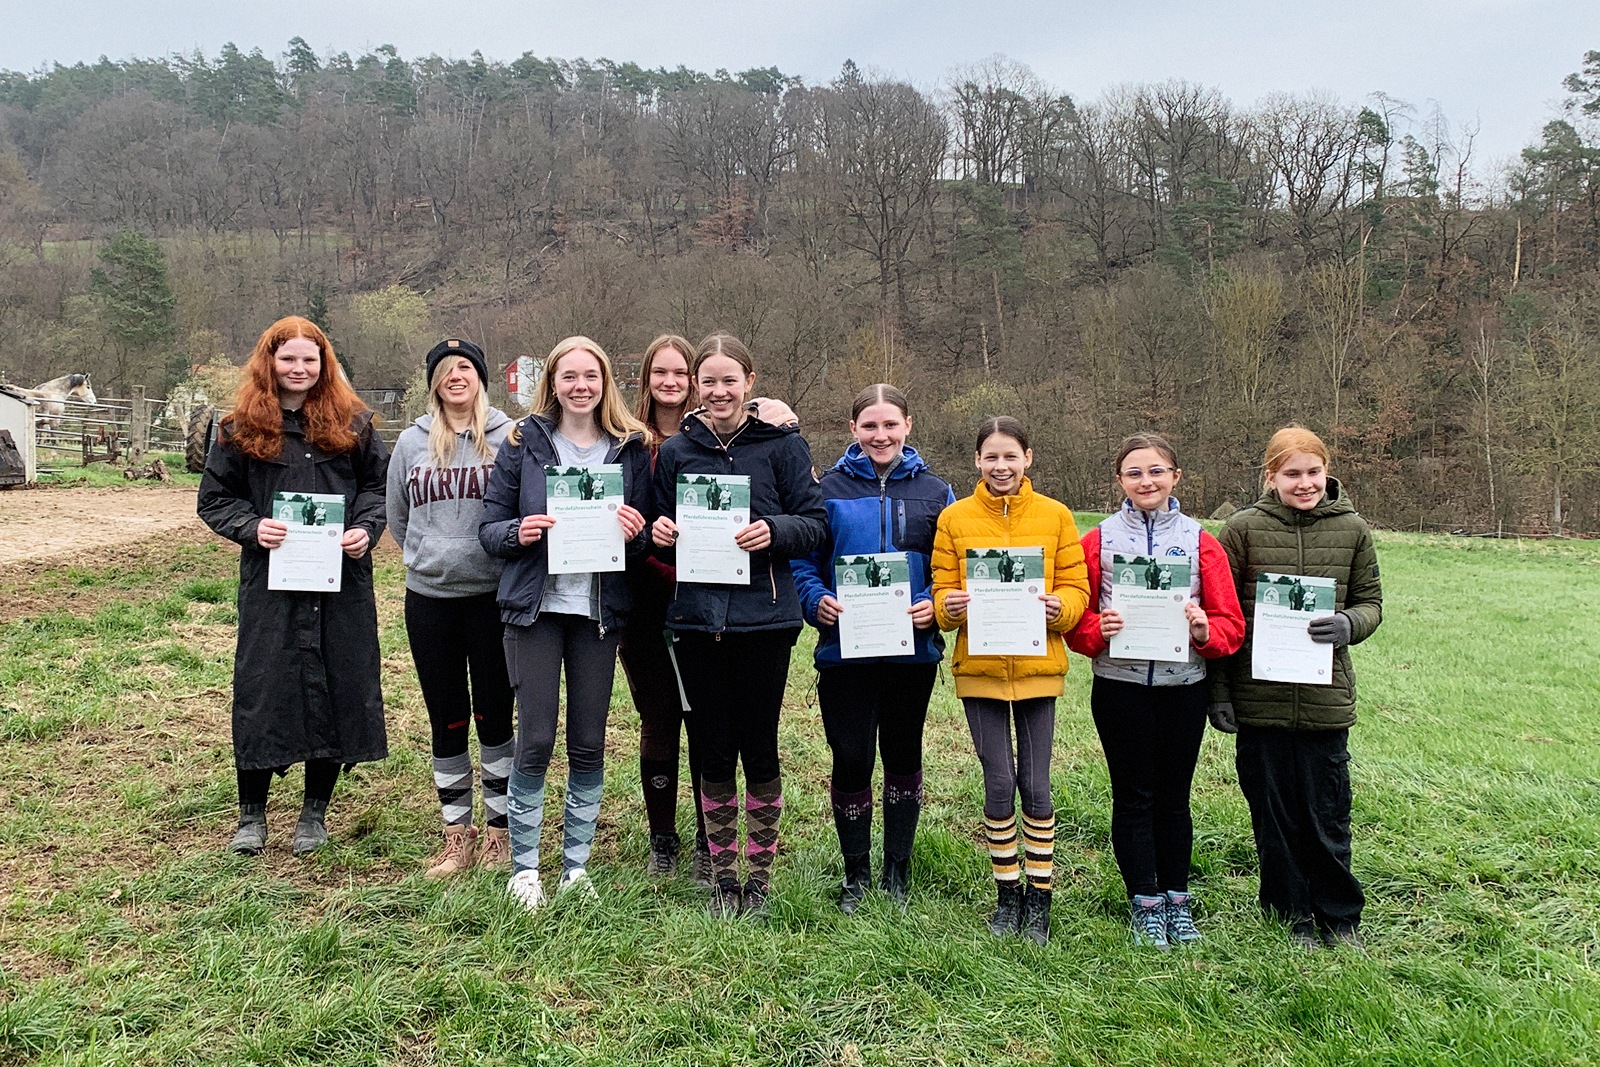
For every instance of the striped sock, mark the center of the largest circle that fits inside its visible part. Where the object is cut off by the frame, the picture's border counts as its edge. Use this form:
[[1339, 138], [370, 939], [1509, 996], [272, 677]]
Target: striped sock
[[763, 805], [452, 777], [580, 816], [1002, 837], [525, 812], [720, 803], [495, 764], [1039, 846]]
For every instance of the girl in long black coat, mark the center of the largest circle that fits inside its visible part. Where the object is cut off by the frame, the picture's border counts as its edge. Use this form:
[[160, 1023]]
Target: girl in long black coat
[[306, 671]]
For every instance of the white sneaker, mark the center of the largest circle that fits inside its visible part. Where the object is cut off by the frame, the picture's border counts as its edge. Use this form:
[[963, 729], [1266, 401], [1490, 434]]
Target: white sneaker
[[577, 879], [524, 886]]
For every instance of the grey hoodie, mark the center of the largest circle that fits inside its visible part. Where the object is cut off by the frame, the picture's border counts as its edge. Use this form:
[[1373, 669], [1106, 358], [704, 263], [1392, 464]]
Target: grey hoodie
[[434, 514]]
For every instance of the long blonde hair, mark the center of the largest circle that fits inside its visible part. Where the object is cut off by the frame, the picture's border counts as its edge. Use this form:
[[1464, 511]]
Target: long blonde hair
[[441, 437], [613, 415]]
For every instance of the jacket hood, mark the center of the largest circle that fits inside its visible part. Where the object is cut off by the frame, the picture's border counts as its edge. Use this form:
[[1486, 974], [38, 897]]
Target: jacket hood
[[752, 430], [857, 464], [1133, 516], [1334, 502]]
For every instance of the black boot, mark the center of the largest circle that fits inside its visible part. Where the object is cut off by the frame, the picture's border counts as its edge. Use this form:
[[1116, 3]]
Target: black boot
[[1008, 911], [663, 861], [311, 832], [857, 877], [896, 879], [251, 836], [1035, 922]]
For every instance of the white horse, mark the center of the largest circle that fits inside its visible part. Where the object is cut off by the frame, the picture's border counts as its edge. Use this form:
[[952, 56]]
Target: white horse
[[53, 396]]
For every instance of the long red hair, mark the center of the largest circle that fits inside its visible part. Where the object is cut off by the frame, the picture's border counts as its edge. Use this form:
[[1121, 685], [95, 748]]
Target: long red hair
[[255, 426]]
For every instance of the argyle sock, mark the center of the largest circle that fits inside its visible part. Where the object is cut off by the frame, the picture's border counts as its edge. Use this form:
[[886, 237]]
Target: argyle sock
[[495, 764], [720, 803], [580, 816], [525, 814], [452, 777], [763, 805]]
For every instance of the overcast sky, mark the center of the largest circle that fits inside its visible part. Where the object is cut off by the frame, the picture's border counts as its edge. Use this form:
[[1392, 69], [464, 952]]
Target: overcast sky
[[1494, 63]]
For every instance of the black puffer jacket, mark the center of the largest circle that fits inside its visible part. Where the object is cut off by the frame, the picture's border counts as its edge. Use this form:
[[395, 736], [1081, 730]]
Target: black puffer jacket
[[517, 488], [1329, 541], [783, 493]]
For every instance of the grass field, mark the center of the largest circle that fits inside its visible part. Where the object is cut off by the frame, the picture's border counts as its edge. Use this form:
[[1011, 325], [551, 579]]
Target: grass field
[[128, 936]]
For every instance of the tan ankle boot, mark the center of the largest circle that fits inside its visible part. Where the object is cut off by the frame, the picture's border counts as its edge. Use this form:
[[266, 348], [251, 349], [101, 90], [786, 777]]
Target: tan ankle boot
[[494, 851], [460, 843]]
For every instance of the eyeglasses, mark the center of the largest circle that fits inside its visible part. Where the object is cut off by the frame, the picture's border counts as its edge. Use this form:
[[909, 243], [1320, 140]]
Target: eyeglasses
[[1135, 474]]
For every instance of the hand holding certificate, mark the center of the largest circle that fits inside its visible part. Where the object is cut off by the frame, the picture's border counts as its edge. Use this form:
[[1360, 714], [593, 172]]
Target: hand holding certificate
[[1282, 650], [311, 557], [1006, 615], [1149, 594], [587, 535], [874, 595], [712, 509]]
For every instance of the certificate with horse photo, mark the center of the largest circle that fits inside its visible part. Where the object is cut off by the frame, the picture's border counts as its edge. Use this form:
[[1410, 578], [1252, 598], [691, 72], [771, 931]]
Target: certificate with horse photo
[[587, 536], [874, 595], [311, 558], [1005, 616]]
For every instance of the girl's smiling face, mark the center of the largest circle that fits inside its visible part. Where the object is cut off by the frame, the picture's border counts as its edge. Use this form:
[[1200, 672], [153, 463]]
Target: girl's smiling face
[[881, 432], [1148, 478], [579, 382], [1002, 461], [723, 387], [1301, 481], [669, 378], [460, 385]]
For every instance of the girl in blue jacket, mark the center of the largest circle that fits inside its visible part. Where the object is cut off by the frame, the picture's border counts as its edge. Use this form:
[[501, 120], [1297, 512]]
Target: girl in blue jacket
[[881, 497], [557, 622]]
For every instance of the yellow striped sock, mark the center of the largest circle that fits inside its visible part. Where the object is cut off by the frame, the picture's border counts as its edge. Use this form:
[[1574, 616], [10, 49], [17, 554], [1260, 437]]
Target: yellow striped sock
[[1002, 837], [1039, 845]]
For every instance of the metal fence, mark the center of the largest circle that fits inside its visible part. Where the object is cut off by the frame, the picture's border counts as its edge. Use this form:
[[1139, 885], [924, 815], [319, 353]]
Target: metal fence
[[112, 429]]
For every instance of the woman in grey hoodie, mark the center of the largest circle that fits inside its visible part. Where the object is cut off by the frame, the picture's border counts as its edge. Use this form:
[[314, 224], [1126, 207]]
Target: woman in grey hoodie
[[437, 478]]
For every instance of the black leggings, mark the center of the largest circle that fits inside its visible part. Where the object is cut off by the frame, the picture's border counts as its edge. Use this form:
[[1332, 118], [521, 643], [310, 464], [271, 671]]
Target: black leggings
[[321, 775], [735, 682], [867, 706], [1027, 771], [454, 639], [536, 656], [1151, 735]]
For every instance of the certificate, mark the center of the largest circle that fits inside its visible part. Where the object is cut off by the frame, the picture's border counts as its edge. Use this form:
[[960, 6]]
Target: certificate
[[711, 509], [310, 560], [874, 592], [1281, 649], [587, 536], [1149, 593], [1005, 616]]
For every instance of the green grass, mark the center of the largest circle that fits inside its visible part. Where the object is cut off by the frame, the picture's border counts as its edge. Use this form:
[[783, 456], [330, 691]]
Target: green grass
[[128, 936], [70, 474]]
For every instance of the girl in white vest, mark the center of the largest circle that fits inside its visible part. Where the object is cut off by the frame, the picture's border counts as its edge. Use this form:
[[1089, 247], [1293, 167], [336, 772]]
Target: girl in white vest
[[1151, 714]]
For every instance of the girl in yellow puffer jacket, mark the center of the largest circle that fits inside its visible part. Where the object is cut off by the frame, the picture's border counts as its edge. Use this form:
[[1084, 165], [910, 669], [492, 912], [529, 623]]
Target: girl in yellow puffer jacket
[[1005, 513]]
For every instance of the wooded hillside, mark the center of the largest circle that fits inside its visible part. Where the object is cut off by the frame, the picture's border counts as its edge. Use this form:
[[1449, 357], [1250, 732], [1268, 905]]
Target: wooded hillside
[[1157, 257]]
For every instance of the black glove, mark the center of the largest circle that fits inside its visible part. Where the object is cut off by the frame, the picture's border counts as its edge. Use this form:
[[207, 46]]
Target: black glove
[[1221, 715], [1331, 630]]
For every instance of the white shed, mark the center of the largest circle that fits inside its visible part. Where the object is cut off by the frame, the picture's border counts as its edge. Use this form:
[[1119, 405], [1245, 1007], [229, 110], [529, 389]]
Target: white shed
[[16, 415]]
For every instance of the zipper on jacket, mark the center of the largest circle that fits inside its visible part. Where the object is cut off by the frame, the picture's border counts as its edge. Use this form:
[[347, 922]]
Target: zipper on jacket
[[1150, 546], [883, 513], [1300, 550], [600, 604]]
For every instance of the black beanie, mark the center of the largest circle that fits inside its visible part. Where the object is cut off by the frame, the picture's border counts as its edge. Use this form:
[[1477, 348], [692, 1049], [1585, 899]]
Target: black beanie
[[458, 346]]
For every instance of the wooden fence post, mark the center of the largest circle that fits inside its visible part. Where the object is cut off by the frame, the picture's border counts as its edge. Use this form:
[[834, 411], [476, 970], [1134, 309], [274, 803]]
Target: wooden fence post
[[139, 426]]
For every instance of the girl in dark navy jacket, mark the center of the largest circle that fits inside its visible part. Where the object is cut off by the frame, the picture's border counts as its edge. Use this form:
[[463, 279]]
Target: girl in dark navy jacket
[[556, 621], [734, 641], [880, 497]]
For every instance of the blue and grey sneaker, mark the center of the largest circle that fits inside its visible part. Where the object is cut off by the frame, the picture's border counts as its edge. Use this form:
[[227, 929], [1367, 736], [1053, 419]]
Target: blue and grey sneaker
[[1149, 921], [1180, 919]]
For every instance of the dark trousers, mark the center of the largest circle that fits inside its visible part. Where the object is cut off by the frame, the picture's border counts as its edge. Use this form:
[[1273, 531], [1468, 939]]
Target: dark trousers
[[653, 681], [1006, 771], [735, 682], [1297, 783], [454, 641], [535, 657], [874, 706], [1151, 736]]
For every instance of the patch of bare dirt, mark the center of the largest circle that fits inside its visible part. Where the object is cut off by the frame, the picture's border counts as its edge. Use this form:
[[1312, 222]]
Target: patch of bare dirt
[[40, 524]]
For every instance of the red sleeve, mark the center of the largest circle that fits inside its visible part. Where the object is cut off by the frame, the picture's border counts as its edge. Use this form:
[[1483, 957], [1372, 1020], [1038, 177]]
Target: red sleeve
[[1220, 599], [1085, 638]]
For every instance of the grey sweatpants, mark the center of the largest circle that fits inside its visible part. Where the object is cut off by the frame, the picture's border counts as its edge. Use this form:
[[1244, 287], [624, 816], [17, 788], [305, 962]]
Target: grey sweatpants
[[1028, 770], [535, 657]]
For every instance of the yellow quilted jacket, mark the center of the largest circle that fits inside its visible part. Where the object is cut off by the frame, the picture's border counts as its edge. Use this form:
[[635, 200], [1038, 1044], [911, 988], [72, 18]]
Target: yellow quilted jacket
[[1024, 519]]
